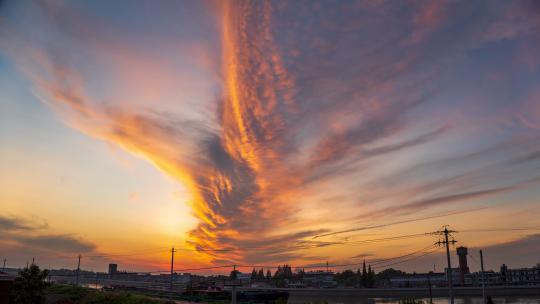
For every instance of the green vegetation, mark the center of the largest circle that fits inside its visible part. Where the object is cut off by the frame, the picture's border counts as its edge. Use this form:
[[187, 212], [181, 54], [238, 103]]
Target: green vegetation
[[68, 294], [364, 278], [29, 287], [410, 301], [384, 276]]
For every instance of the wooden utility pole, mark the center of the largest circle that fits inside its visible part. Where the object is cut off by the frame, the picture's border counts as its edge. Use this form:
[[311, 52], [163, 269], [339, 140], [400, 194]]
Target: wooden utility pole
[[4, 267], [172, 269], [430, 293], [233, 294], [483, 278], [78, 270], [447, 242]]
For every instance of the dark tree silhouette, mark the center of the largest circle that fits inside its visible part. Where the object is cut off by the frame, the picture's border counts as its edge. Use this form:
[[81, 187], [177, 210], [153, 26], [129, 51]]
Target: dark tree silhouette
[[347, 278], [29, 287], [370, 279], [234, 274], [283, 272], [268, 274], [364, 278], [253, 275]]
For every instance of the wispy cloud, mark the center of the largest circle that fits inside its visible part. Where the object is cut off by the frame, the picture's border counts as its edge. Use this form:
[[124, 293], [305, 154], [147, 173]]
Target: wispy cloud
[[22, 224], [58, 243], [297, 108], [32, 235]]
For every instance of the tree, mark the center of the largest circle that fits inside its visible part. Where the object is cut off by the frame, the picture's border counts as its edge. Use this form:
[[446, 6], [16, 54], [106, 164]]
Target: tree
[[29, 287], [346, 278], [364, 278], [268, 274], [253, 275], [284, 272], [260, 275], [384, 276], [370, 278], [234, 274]]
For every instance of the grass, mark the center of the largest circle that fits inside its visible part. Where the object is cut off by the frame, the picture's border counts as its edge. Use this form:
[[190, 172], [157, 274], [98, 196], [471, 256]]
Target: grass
[[80, 295]]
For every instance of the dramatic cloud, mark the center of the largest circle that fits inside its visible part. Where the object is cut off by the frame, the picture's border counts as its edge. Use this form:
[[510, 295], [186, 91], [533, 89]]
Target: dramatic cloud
[[31, 236], [301, 101], [8, 224], [59, 243]]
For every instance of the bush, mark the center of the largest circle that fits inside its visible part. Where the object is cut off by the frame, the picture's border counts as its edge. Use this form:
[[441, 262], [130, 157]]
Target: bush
[[29, 287], [83, 295], [71, 292]]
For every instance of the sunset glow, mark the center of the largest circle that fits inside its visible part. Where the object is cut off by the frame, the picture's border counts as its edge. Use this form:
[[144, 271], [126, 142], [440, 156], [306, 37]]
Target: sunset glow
[[267, 132]]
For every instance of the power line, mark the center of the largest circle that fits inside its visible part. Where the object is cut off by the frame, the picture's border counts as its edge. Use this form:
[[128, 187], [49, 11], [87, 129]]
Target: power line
[[402, 256], [501, 229], [378, 263], [405, 221], [343, 265], [392, 238], [277, 266], [411, 258]]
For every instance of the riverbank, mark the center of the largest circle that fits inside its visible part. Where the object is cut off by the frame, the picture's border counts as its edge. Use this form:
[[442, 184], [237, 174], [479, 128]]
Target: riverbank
[[59, 293], [414, 292]]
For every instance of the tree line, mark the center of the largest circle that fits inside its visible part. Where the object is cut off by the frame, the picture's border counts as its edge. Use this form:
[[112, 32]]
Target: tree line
[[364, 277]]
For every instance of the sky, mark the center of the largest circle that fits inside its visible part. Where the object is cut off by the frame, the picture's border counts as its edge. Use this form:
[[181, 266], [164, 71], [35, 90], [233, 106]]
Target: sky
[[268, 132]]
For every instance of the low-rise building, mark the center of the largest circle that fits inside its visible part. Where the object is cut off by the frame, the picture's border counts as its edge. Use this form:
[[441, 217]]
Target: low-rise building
[[520, 276], [490, 278], [6, 281], [419, 280], [319, 279]]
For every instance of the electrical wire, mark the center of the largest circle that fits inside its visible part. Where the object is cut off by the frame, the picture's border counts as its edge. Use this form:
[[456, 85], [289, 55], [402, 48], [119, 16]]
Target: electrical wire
[[410, 259], [376, 262]]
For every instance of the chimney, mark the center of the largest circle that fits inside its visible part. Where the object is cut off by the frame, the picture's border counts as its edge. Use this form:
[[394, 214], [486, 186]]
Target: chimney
[[463, 267]]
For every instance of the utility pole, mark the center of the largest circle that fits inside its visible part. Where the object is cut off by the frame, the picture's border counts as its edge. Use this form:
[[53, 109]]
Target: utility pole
[[447, 242], [172, 270], [430, 293], [483, 279], [78, 270], [326, 266], [4, 267], [233, 294]]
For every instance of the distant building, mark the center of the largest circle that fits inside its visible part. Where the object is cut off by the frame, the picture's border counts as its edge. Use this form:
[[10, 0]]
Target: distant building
[[419, 280], [463, 267], [113, 269], [490, 278], [319, 279], [6, 281], [520, 276], [183, 278], [244, 278]]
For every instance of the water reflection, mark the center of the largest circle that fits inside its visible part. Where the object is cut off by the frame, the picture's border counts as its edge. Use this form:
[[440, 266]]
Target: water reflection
[[317, 299]]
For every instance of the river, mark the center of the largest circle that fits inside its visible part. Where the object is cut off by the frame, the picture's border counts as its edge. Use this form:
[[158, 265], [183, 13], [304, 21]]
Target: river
[[333, 299]]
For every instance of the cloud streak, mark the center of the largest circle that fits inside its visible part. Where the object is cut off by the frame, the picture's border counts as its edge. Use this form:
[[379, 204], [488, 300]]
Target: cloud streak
[[22, 224], [300, 110], [31, 235]]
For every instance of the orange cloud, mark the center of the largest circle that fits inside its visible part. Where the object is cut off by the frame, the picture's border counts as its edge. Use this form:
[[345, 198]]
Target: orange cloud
[[299, 112]]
